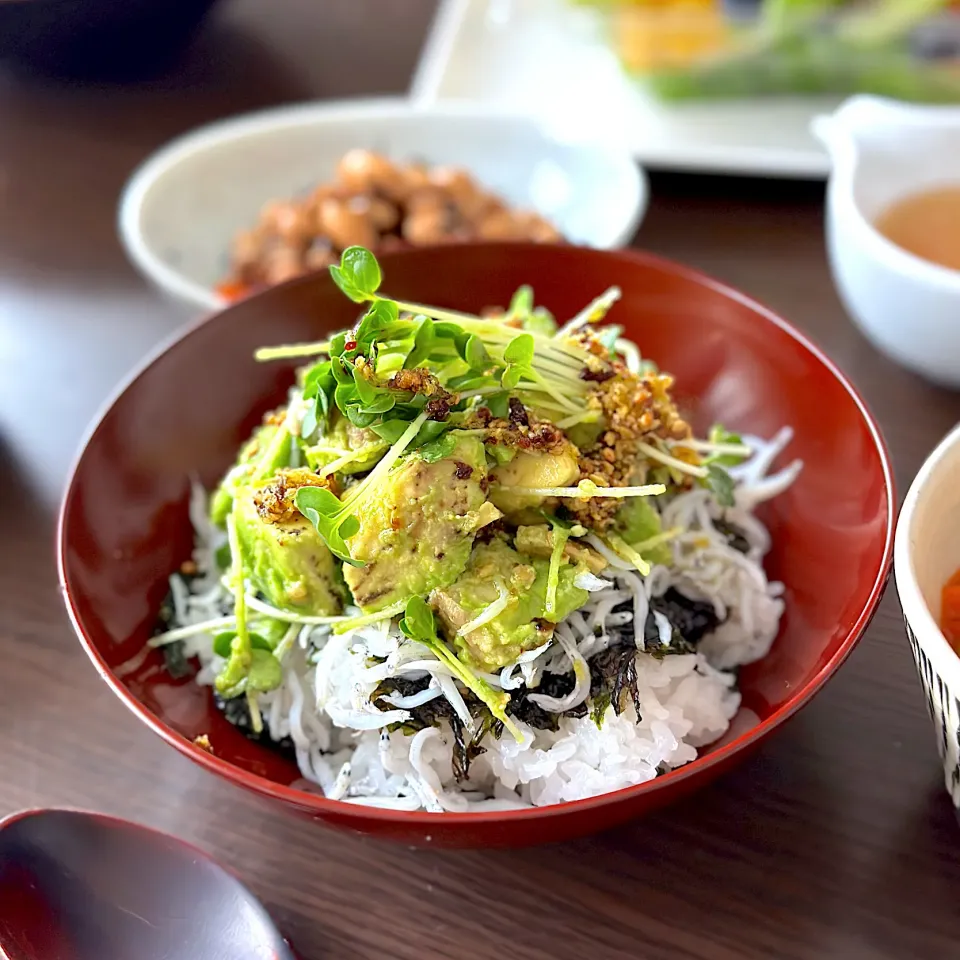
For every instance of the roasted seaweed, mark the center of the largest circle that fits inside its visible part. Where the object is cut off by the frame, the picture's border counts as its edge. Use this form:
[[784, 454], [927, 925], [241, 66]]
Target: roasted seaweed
[[465, 748], [237, 712], [733, 534], [175, 660], [691, 620], [613, 681], [551, 685], [613, 678]]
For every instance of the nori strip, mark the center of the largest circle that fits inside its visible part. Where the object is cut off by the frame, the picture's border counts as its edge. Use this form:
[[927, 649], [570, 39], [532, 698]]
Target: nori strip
[[692, 620], [237, 712], [176, 661], [613, 676], [552, 685], [734, 535]]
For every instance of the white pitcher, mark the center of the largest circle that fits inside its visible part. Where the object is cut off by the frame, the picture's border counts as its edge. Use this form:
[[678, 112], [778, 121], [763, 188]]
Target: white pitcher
[[883, 150]]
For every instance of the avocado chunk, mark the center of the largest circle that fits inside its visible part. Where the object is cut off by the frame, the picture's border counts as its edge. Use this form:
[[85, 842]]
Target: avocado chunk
[[532, 469], [416, 530], [267, 450], [523, 623], [537, 541], [638, 521], [286, 559]]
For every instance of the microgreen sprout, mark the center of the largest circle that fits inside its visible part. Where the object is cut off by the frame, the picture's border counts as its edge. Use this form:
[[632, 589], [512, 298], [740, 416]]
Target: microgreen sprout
[[593, 312], [587, 489], [721, 449], [623, 549], [250, 667], [560, 537], [335, 519], [418, 625], [721, 484], [470, 355]]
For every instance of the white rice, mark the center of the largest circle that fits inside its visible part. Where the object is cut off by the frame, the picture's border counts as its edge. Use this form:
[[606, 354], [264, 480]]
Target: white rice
[[687, 699]]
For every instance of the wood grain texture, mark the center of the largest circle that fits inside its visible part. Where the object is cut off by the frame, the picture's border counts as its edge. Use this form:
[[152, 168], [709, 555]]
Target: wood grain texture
[[835, 841]]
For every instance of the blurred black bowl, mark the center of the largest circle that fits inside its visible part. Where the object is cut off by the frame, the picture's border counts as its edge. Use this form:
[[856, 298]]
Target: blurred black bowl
[[96, 39]]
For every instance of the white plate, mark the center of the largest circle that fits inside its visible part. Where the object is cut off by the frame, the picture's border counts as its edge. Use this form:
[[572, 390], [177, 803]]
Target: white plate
[[181, 209], [551, 59]]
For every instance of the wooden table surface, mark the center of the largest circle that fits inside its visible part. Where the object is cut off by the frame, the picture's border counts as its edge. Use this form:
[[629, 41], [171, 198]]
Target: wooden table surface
[[835, 841]]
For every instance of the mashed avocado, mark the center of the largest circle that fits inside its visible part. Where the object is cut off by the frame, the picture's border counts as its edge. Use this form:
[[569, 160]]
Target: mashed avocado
[[286, 560], [522, 624], [532, 469], [638, 521], [267, 450], [416, 534]]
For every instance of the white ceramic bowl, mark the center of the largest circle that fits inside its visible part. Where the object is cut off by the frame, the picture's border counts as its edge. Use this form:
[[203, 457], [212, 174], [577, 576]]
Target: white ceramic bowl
[[181, 209], [883, 150], [926, 555]]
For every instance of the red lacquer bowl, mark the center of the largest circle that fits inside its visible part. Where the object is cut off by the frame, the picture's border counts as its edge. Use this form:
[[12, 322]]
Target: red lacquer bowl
[[124, 524]]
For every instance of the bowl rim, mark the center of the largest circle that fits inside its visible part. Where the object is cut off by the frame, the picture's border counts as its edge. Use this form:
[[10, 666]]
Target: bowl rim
[[154, 267], [321, 806], [920, 620]]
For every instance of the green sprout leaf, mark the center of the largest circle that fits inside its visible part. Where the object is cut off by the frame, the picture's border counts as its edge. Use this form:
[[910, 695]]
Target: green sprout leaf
[[721, 483], [511, 377], [358, 274], [438, 449], [423, 344], [330, 519], [319, 379], [346, 395], [475, 354], [520, 350], [720, 435], [318, 390], [384, 402], [376, 323], [418, 625], [342, 372], [222, 557], [350, 527], [310, 421], [499, 405], [541, 321], [222, 642], [265, 672], [519, 357], [338, 343], [444, 330], [521, 303], [366, 391], [430, 430], [390, 430], [417, 622]]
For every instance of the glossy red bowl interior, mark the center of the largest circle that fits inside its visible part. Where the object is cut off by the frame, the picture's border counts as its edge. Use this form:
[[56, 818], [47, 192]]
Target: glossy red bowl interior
[[124, 524]]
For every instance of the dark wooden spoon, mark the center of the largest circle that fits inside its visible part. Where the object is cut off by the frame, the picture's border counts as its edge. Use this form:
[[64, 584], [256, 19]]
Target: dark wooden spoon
[[84, 886]]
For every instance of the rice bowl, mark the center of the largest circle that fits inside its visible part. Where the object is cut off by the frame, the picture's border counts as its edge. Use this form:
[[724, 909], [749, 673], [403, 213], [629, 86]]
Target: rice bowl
[[124, 525], [628, 683]]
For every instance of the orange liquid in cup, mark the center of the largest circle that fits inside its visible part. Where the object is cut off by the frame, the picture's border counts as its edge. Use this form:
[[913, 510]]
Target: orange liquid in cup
[[926, 224], [950, 611]]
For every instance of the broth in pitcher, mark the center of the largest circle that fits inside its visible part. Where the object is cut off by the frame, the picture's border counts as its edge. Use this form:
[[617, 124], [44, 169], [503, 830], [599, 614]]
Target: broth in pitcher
[[926, 224]]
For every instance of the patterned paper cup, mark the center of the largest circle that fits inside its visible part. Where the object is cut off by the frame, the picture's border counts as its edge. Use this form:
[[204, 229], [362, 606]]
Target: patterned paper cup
[[926, 555]]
